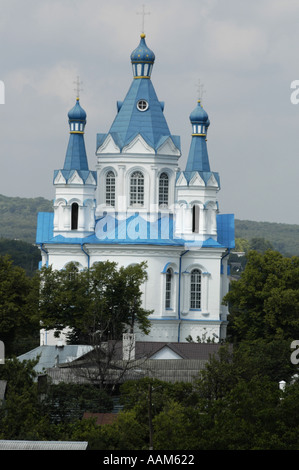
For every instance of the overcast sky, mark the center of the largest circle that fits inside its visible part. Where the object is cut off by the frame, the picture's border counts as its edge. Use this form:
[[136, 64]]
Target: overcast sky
[[246, 54]]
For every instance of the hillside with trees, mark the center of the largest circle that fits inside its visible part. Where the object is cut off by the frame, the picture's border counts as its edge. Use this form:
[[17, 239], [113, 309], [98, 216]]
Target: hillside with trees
[[18, 216], [283, 237]]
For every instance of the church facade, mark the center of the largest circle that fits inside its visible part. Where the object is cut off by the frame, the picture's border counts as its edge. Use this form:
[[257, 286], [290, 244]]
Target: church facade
[[139, 205]]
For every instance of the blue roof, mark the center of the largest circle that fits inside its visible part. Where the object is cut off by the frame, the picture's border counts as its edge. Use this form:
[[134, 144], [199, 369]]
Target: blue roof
[[226, 230], [205, 175], [131, 121], [136, 230], [199, 115], [76, 158], [198, 159], [150, 124], [142, 53], [77, 113]]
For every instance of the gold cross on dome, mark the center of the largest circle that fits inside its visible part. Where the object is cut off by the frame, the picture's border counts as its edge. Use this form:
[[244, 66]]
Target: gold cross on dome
[[143, 13], [78, 88]]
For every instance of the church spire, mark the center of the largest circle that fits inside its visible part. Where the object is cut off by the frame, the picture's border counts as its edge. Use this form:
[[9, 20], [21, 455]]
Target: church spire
[[76, 158], [198, 159]]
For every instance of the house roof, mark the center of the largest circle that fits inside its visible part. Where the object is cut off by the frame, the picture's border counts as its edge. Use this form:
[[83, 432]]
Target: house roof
[[148, 349], [192, 357], [101, 418], [50, 356], [42, 445]]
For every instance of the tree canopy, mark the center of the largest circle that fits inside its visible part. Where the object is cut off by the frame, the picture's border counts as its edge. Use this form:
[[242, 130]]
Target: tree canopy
[[100, 302], [264, 302], [17, 304]]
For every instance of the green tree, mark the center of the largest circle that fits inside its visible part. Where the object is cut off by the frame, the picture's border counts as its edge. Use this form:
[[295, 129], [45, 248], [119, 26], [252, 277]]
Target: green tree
[[242, 245], [173, 427], [98, 304], [264, 302], [260, 244], [20, 416], [17, 320]]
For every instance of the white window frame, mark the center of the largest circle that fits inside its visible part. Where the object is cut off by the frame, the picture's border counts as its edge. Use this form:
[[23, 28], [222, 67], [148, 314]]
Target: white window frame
[[163, 190], [137, 183], [195, 289], [110, 191]]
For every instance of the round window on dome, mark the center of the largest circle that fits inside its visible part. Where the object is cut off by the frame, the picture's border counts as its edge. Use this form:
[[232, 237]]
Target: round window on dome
[[142, 105]]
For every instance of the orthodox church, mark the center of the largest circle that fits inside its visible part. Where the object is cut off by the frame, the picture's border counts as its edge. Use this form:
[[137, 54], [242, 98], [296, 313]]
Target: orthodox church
[[139, 205]]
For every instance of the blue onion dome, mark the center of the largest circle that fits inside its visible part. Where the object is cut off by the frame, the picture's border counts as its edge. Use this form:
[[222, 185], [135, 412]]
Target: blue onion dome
[[142, 59], [200, 120], [77, 118], [77, 112]]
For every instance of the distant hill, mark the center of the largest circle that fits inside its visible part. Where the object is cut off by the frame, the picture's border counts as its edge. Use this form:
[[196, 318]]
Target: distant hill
[[283, 237], [18, 217]]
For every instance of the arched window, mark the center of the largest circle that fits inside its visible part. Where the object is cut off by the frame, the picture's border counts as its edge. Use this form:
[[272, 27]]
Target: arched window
[[163, 190], [110, 189], [168, 288], [195, 289], [74, 216], [195, 218], [137, 188]]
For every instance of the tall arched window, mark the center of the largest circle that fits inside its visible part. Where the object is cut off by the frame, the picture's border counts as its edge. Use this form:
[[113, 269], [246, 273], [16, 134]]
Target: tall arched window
[[110, 189], [195, 289], [137, 188], [74, 216], [163, 190], [168, 288]]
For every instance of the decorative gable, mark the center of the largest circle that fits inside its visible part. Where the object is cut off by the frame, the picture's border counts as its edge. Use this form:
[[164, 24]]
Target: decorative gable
[[196, 180], [75, 179], [168, 148], [108, 146], [60, 179], [181, 181], [212, 181], [138, 145], [90, 179], [166, 353]]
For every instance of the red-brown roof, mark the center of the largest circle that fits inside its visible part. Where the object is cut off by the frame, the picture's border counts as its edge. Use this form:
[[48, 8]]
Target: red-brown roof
[[101, 418]]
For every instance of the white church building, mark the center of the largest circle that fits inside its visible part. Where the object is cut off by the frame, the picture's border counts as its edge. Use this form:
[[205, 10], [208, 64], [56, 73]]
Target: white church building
[[139, 205]]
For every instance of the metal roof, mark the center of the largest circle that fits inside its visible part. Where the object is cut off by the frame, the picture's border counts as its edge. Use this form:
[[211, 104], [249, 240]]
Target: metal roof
[[42, 445], [158, 232], [50, 356]]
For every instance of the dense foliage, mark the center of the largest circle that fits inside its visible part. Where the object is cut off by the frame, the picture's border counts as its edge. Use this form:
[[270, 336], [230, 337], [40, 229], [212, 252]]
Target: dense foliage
[[23, 254], [234, 403], [98, 303], [19, 325], [264, 302]]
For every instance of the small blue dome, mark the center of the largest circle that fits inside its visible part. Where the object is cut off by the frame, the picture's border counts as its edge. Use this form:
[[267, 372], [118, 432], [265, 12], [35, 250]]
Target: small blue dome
[[199, 115], [142, 53], [77, 113]]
